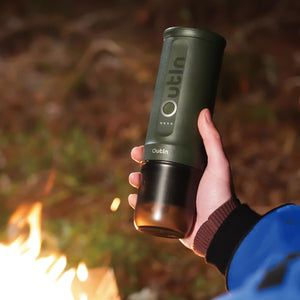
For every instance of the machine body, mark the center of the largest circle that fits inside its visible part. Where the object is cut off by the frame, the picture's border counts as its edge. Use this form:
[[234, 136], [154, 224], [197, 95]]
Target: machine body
[[174, 156]]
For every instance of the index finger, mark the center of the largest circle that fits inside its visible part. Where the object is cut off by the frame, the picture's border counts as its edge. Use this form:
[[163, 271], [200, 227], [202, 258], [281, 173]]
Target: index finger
[[137, 153]]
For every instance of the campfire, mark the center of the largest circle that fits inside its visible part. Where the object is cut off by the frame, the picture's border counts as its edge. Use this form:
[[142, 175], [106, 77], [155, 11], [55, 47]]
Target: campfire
[[26, 273]]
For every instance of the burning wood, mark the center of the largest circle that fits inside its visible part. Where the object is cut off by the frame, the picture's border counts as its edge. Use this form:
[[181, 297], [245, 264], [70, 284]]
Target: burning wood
[[25, 274]]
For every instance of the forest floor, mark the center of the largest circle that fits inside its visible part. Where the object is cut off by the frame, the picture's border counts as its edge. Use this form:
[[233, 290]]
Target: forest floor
[[76, 92]]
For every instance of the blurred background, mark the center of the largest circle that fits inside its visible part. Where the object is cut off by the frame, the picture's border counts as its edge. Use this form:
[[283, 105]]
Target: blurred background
[[76, 86]]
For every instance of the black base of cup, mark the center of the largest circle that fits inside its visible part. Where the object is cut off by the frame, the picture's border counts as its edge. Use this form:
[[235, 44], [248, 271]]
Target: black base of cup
[[166, 199]]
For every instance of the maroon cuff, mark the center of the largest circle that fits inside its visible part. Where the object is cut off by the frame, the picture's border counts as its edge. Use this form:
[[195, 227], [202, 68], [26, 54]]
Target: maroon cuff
[[208, 229]]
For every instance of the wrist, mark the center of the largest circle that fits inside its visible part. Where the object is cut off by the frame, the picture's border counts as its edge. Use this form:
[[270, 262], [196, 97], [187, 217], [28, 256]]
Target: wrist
[[229, 235], [208, 229]]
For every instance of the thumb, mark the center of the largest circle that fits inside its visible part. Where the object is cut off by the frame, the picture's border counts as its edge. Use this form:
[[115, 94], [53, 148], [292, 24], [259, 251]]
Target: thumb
[[211, 140]]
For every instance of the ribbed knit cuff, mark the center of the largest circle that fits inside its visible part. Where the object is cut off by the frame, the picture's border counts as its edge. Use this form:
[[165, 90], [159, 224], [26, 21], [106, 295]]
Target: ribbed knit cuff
[[229, 236], [208, 229]]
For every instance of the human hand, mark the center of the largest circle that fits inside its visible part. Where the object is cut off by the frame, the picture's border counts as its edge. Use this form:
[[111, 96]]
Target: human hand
[[215, 186]]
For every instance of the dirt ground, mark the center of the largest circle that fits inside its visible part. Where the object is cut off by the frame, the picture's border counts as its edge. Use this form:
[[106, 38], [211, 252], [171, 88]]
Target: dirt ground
[[91, 67]]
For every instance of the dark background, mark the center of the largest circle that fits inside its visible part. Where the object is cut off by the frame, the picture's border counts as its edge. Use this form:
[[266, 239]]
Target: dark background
[[76, 85]]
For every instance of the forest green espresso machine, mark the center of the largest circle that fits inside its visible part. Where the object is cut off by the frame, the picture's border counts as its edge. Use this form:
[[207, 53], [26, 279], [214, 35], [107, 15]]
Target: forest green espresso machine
[[174, 156]]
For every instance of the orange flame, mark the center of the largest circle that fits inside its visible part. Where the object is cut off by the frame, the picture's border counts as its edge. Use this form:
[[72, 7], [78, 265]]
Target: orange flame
[[24, 274]]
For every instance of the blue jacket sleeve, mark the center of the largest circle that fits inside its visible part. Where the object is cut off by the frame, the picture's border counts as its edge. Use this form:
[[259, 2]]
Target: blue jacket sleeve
[[266, 264]]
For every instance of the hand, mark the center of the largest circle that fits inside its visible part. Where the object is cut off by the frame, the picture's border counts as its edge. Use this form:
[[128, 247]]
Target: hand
[[215, 186]]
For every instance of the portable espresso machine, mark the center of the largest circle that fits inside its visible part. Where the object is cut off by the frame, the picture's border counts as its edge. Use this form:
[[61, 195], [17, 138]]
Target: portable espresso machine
[[174, 156]]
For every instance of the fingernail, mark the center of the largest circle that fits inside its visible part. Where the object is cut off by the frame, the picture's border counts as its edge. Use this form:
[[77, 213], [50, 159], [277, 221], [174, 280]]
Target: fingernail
[[132, 150], [208, 117], [131, 175], [131, 197]]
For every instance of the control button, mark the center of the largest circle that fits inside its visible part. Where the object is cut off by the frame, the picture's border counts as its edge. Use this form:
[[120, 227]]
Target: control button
[[168, 108]]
